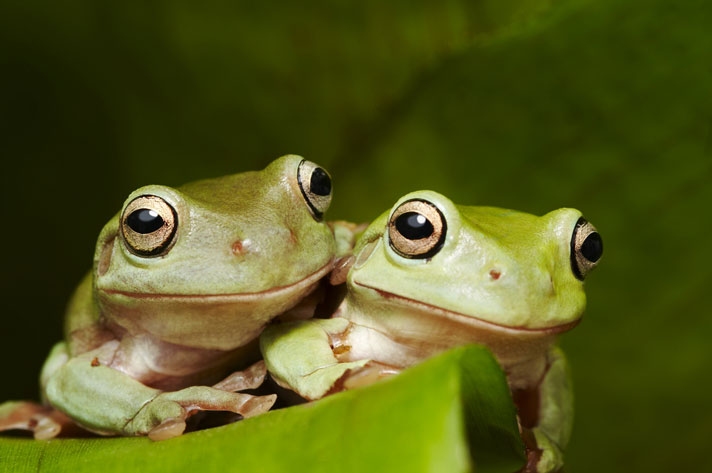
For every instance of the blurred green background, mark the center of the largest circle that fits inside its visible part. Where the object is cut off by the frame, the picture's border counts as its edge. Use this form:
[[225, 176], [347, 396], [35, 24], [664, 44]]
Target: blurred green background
[[604, 105]]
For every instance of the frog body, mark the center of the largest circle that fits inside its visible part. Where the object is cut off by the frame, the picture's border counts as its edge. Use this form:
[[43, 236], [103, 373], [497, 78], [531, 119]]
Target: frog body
[[183, 282], [429, 275]]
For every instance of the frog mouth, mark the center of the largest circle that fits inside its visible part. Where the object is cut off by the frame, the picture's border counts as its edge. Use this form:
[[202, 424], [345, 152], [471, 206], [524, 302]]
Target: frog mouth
[[246, 297], [471, 319]]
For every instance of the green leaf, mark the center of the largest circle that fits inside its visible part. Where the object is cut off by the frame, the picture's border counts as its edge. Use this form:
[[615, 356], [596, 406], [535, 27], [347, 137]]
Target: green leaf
[[445, 415]]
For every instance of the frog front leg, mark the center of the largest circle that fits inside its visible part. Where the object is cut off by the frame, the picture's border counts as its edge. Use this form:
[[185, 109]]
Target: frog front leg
[[547, 440], [109, 402], [299, 356], [42, 420]]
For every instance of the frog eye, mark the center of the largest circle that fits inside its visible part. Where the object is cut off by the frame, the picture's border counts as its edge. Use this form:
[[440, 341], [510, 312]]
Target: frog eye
[[148, 225], [315, 184], [586, 248], [416, 229]]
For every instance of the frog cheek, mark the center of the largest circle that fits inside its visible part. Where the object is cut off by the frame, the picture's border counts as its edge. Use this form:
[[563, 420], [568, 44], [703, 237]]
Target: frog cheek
[[365, 254], [105, 254]]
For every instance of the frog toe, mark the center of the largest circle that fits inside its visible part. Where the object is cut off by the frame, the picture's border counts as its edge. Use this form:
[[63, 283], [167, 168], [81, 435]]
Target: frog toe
[[256, 405], [250, 378], [167, 429], [44, 422]]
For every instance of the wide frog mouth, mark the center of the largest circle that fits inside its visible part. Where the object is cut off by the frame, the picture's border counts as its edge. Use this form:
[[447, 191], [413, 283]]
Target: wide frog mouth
[[468, 319], [207, 321], [236, 297]]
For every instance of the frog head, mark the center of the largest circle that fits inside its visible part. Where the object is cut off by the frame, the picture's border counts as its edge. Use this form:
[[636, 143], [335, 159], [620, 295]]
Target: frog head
[[208, 264], [508, 270]]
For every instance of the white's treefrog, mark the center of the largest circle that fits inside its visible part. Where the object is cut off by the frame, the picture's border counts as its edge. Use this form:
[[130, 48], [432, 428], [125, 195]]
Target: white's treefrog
[[184, 281], [429, 275]]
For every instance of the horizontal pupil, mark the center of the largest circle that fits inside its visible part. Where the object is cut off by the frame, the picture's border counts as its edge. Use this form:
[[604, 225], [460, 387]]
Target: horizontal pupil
[[144, 221], [592, 247], [320, 182], [414, 226]]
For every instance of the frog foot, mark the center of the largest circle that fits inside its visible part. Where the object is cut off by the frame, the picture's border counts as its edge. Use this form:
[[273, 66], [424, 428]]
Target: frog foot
[[165, 415], [250, 406], [43, 421], [250, 378], [368, 374], [543, 455], [244, 404]]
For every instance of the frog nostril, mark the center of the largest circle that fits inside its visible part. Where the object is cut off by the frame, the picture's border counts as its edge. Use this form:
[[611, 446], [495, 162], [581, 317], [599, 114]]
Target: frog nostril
[[237, 248]]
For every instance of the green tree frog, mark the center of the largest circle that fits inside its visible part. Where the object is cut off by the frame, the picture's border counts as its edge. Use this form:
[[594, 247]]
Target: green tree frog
[[429, 275], [184, 280]]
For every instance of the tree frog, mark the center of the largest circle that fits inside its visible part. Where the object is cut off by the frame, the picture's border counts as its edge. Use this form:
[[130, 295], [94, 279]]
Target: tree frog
[[183, 282], [429, 275]]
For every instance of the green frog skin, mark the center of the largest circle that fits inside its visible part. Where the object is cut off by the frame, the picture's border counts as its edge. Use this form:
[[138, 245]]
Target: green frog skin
[[429, 275], [183, 283]]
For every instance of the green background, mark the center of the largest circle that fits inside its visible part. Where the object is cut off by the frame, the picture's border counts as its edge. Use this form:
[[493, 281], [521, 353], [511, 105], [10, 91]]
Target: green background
[[528, 104]]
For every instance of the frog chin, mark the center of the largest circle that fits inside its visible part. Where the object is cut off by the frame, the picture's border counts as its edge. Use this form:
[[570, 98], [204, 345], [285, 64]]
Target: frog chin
[[214, 321], [470, 320]]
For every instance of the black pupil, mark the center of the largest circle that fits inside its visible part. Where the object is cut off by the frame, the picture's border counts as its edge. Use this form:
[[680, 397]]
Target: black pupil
[[592, 247], [320, 182], [414, 226], [144, 221]]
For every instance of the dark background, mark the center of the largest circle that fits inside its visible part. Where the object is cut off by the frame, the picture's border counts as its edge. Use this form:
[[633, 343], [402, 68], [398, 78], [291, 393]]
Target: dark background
[[528, 104]]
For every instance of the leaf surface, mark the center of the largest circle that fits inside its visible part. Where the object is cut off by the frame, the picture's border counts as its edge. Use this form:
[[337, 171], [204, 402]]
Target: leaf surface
[[447, 414]]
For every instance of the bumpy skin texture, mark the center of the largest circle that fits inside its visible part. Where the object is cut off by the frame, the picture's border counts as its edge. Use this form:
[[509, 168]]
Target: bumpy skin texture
[[184, 281], [429, 275]]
